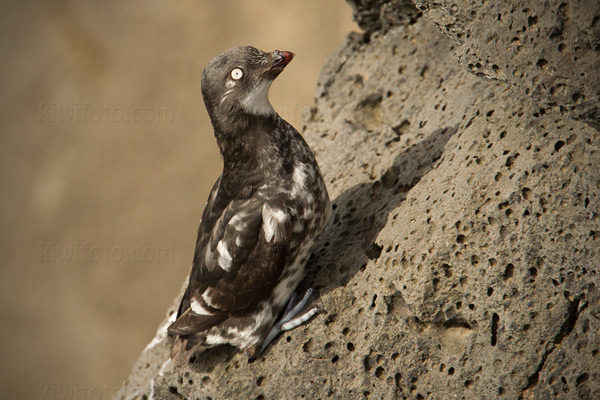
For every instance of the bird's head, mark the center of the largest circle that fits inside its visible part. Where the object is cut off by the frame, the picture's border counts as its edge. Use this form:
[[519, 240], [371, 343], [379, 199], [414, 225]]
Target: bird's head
[[236, 83]]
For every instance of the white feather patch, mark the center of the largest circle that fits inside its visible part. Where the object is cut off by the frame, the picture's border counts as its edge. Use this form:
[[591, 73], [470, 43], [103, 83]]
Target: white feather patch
[[207, 299], [246, 337], [237, 221], [224, 256], [208, 255], [299, 178], [213, 340], [257, 102], [273, 220], [197, 308]]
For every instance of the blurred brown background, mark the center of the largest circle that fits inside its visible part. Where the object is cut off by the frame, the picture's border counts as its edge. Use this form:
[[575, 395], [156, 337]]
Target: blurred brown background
[[107, 158]]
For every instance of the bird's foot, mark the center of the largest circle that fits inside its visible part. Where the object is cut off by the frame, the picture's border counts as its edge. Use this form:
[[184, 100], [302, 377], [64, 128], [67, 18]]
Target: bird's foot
[[296, 313]]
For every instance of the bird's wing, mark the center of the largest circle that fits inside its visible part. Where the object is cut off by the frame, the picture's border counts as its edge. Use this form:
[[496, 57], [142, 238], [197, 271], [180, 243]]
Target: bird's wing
[[237, 263], [210, 216]]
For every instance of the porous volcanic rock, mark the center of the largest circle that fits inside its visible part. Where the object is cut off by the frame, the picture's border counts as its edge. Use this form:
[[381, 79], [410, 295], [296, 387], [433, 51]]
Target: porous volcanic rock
[[549, 50], [381, 15], [463, 255]]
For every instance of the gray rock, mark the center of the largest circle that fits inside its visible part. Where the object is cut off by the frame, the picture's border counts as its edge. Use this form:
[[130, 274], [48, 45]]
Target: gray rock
[[376, 15], [463, 255], [548, 50]]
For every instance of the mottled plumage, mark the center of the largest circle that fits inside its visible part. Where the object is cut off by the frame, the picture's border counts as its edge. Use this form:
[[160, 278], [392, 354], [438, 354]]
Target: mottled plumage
[[261, 219]]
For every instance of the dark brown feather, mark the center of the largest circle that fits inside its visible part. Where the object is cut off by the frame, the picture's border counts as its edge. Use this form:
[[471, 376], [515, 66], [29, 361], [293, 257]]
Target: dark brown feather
[[255, 270], [189, 322]]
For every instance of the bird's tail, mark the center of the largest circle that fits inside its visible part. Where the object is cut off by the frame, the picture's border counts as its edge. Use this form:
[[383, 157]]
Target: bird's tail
[[181, 351]]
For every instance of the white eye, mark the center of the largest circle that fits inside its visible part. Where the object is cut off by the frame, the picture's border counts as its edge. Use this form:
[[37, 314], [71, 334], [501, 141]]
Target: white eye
[[237, 74]]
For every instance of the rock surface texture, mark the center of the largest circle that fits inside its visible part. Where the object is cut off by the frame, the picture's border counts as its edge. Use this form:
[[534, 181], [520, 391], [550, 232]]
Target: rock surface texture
[[463, 256], [546, 49]]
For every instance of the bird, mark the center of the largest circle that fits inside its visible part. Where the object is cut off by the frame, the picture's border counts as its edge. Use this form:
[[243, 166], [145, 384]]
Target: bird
[[262, 219]]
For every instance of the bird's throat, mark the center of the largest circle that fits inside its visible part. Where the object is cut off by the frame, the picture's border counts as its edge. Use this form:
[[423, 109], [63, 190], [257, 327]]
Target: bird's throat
[[257, 102]]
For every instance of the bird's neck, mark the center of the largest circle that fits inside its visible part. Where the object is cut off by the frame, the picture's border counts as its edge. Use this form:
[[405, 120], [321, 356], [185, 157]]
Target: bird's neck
[[253, 149]]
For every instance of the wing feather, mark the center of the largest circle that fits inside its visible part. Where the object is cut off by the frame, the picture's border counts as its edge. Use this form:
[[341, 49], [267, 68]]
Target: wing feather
[[238, 260]]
